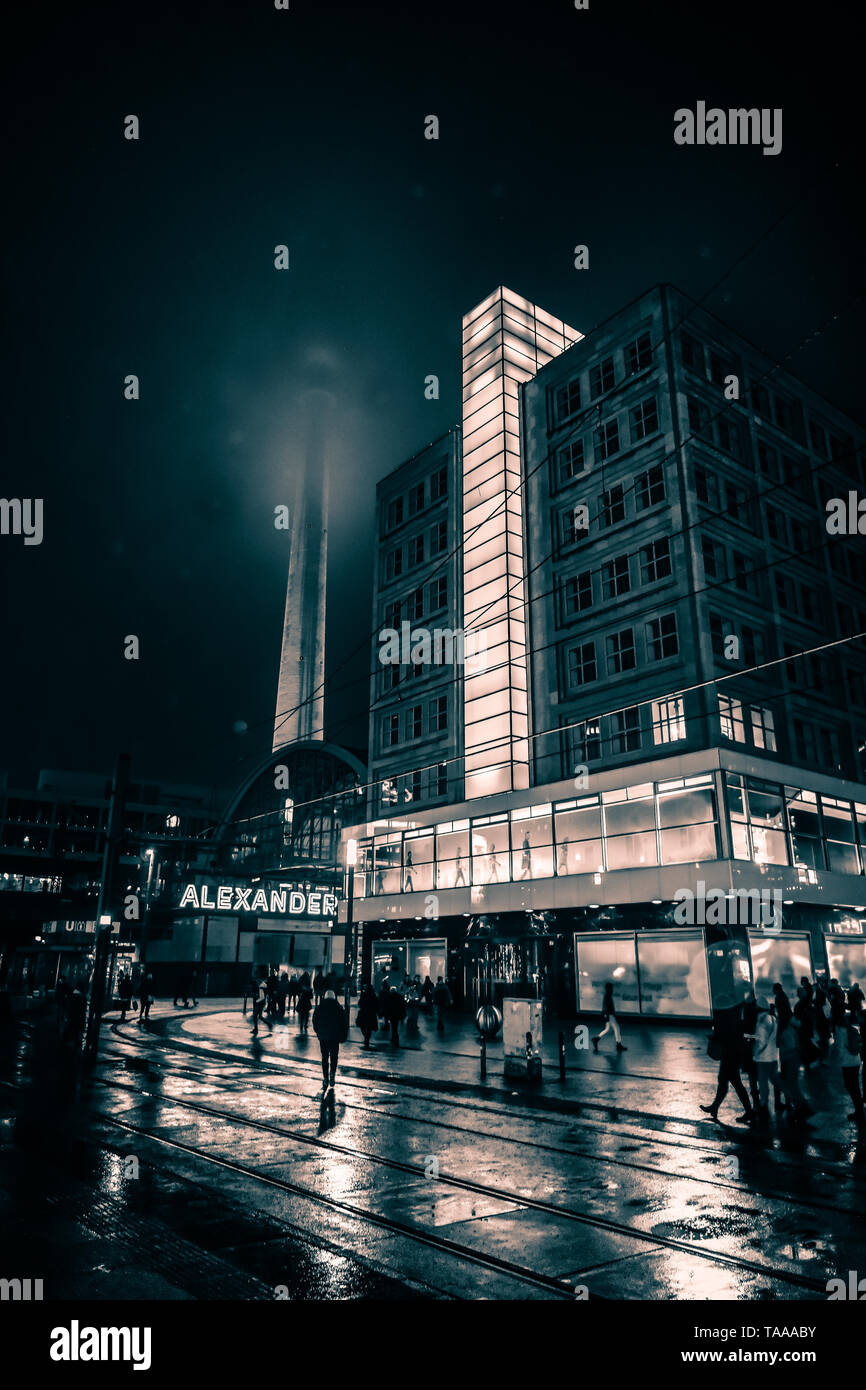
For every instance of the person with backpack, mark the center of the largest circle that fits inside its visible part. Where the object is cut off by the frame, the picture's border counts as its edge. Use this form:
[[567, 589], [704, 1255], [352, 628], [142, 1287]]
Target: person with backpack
[[331, 1027], [847, 1054]]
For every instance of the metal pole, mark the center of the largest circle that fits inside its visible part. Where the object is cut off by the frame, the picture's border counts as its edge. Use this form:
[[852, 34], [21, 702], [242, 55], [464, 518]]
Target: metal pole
[[483, 1059], [562, 1056], [101, 956]]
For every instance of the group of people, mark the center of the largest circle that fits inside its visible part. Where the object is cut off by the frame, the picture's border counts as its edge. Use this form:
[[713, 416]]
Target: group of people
[[278, 996], [399, 999], [770, 1041]]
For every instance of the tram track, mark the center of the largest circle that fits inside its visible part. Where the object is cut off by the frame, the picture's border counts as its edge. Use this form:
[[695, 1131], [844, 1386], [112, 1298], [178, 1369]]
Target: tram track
[[591, 1126], [497, 1194]]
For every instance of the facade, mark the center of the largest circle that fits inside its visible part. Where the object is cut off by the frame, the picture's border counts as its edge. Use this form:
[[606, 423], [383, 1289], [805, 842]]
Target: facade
[[416, 705], [674, 492]]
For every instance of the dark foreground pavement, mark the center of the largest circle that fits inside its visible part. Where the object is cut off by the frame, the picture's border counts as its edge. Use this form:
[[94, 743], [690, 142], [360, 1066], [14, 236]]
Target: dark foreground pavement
[[199, 1162]]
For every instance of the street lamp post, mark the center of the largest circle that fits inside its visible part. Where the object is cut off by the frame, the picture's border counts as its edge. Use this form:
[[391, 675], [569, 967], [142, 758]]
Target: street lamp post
[[351, 931]]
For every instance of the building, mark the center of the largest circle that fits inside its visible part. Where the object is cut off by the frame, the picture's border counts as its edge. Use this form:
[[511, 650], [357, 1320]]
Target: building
[[674, 484]]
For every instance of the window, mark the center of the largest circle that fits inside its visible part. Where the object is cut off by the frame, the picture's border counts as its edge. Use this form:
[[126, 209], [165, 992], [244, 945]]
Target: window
[[607, 439], [768, 461], [707, 488], [649, 487], [439, 593], [577, 592], [612, 505], [776, 526], [807, 603], [644, 418], [570, 461], [581, 665], [760, 402], [661, 637], [392, 614], [638, 354], [395, 513], [586, 741], [728, 436], [572, 525], [805, 742], [439, 484], [731, 719], [442, 780], [416, 605], [438, 711], [567, 400], [391, 730], [439, 538], [714, 559], [719, 634], [615, 577], [669, 723], [763, 728], [737, 504], [601, 377], [784, 592], [699, 417], [625, 731], [414, 721], [745, 578], [392, 677], [800, 537], [394, 563], [818, 439], [412, 792], [416, 499], [692, 353], [753, 646], [655, 561], [416, 551], [621, 652]]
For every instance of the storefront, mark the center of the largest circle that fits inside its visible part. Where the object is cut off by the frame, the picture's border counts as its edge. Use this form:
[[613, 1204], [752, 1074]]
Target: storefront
[[411, 958]]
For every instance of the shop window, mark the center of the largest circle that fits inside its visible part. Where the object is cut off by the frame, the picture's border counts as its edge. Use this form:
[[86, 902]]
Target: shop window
[[629, 833], [531, 846], [418, 863], [688, 825], [806, 848], [490, 852], [387, 866], [578, 841], [840, 836], [452, 857]]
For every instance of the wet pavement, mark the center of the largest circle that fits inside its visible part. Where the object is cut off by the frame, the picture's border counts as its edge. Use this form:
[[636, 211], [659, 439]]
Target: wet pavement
[[199, 1162]]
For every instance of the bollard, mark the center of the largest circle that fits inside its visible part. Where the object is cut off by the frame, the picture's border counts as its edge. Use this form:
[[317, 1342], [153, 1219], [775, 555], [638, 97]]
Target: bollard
[[562, 1056], [483, 1059]]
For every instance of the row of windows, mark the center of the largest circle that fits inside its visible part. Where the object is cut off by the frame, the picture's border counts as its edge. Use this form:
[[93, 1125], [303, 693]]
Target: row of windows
[[410, 723], [772, 406], [601, 377], [420, 495], [775, 824], [425, 546], [583, 662], [726, 431], [642, 826], [647, 491], [423, 601], [732, 721], [625, 731], [414, 786], [652, 563], [574, 460]]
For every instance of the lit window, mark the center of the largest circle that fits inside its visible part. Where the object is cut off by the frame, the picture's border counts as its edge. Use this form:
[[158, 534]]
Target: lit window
[[669, 723], [731, 719], [763, 728]]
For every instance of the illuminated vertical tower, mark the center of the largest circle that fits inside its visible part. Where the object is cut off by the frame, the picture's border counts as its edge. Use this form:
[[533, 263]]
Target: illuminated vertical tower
[[300, 712], [505, 342]]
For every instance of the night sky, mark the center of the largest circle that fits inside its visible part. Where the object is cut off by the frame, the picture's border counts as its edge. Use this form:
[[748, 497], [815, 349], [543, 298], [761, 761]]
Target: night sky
[[305, 127]]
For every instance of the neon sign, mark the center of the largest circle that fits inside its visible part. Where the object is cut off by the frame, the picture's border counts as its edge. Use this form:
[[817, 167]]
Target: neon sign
[[282, 902]]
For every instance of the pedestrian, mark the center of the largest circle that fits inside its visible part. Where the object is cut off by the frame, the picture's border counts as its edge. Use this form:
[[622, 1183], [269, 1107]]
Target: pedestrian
[[396, 1012], [765, 1056], [182, 991], [62, 992], [294, 991], [305, 1003], [727, 1044], [611, 1023], [272, 991], [124, 994], [748, 1023], [145, 997], [855, 998], [823, 1030], [76, 1017], [331, 1028], [427, 994], [282, 994], [442, 1000], [805, 1015], [318, 986], [367, 1013], [847, 1054], [790, 1059]]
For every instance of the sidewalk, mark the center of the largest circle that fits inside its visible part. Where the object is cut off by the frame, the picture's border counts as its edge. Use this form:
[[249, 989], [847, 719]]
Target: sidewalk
[[658, 1082]]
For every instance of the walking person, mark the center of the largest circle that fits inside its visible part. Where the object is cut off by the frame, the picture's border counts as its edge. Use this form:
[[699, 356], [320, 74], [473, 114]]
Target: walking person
[[790, 1059], [305, 1003], [765, 1057], [428, 994], [855, 998], [368, 1013], [331, 1028], [847, 1054], [145, 998], [282, 994], [727, 1042], [748, 1023], [442, 1000], [396, 1007], [611, 1022], [823, 1012], [124, 994]]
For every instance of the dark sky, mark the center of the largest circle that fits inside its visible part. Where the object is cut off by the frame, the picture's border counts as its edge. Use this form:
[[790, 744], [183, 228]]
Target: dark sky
[[305, 127]]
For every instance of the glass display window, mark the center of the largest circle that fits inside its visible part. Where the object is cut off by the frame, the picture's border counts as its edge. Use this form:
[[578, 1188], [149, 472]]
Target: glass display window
[[672, 970], [631, 851], [600, 958], [452, 857], [779, 959], [847, 960], [387, 870], [491, 852]]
